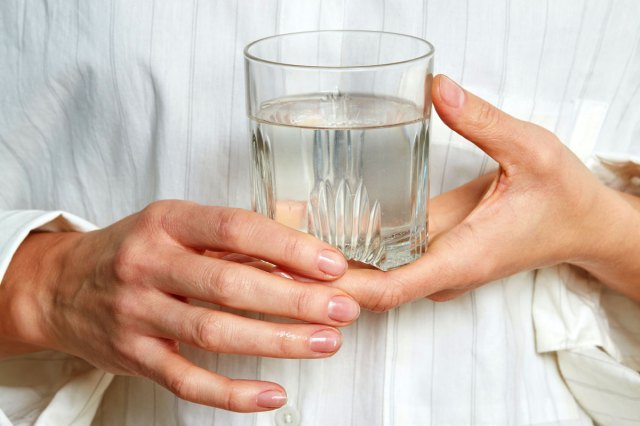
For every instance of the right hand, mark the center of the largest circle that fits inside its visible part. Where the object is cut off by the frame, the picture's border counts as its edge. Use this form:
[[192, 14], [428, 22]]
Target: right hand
[[118, 298]]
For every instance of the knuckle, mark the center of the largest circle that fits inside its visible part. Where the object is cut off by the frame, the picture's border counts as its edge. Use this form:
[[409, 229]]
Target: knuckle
[[302, 302], [125, 306], [210, 332], [286, 344], [222, 280], [127, 263], [156, 208], [487, 118], [389, 298], [231, 400], [132, 259], [179, 384], [229, 224], [154, 212], [547, 155], [158, 218], [292, 247]]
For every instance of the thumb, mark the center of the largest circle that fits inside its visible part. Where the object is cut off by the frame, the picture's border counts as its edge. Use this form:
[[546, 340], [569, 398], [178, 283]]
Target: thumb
[[503, 137]]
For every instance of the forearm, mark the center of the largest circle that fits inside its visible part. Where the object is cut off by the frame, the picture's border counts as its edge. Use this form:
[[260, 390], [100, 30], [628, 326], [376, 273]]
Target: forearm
[[615, 257]]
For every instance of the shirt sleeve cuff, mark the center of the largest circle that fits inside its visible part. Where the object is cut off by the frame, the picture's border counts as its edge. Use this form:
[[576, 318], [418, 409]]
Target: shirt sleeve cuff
[[15, 225], [620, 172], [69, 388]]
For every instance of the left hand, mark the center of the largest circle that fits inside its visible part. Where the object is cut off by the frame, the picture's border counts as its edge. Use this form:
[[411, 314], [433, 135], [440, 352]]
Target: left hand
[[542, 207]]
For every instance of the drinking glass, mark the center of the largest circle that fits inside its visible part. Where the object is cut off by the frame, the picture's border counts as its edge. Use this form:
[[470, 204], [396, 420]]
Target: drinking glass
[[340, 139]]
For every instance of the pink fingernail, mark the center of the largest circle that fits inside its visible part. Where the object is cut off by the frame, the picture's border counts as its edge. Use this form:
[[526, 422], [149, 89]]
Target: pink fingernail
[[451, 93], [325, 341], [331, 263], [238, 258], [343, 309], [282, 274], [271, 399], [292, 276]]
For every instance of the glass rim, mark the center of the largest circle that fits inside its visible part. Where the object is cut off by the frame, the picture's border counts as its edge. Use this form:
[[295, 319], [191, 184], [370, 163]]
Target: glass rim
[[429, 52]]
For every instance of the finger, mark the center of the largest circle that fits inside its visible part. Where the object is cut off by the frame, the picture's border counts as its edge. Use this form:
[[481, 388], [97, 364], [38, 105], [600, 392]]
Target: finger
[[244, 287], [445, 295], [232, 257], [292, 276], [238, 258], [242, 259], [449, 209], [380, 291], [263, 266], [216, 254], [201, 386], [251, 234], [457, 261], [223, 332], [506, 139]]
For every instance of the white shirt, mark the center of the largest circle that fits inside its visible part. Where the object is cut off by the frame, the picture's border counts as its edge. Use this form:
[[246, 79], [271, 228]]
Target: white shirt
[[109, 105]]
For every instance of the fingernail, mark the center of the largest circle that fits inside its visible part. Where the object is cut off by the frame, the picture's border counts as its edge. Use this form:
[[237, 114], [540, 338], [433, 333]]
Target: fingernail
[[239, 258], [325, 341], [271, 399], [343, 309], [331, 263], [281, 274], [292, 276], [451, 93]]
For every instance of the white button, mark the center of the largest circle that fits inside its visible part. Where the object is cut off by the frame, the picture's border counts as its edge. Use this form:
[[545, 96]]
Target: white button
[[288, 416]]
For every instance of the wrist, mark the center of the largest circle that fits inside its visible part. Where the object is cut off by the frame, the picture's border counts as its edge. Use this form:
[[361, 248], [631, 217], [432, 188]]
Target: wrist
[[28, 291], [611, 245]]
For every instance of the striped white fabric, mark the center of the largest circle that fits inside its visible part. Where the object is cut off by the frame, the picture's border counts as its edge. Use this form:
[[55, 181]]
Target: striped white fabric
[[109, 105]]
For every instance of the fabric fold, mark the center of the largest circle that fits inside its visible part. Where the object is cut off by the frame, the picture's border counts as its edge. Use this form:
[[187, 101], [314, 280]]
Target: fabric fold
[[594, 331]]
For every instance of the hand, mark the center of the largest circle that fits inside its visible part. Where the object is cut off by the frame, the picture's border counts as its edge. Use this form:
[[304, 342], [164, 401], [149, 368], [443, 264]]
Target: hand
[[541, 208], [118, 297]]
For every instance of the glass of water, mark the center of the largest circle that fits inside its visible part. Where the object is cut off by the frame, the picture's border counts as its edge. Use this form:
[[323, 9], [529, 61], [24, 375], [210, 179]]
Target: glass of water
[[340, 139]]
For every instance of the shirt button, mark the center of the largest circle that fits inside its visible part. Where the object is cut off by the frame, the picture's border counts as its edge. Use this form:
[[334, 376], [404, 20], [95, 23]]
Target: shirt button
[[288, 416]]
